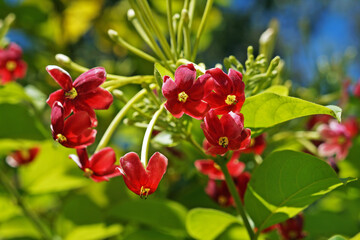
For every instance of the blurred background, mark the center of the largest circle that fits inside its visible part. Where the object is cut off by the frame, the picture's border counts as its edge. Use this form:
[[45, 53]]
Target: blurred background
[[318, 41]]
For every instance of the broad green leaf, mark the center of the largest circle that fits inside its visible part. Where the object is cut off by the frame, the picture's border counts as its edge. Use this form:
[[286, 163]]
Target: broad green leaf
[[13, 93], [7, 208], [236, 232], [203, 223], [150, 235], [160, 214], [94, 231], [163, 71], [50, 171], [338, 237], [268, 109], [286, 183], [278, 89], [356, 237], [17, 122], [18, 227]]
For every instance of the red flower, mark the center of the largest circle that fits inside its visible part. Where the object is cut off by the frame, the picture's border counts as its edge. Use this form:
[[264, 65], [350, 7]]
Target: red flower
[[241, 183], [84, 94], [357, 89], [352, 126], [337, 140], [257, 145], [12, 66], [139, 180], [292, 228], [100, 167], [315, 120], [210, 168], [219, 192], [226, 133], [185, 94], [75, 131], [228, 94], [22, 157]]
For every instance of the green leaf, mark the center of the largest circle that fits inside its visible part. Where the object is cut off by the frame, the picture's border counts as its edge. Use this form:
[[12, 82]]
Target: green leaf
[[94, 231], [202, 223], [18, 227], [50, 171], [13, 93], [17, 122], [268, 109], [235, 232], [278, 89], [150, 235], [338, 237], [163, 71], [161, 214], [286, 183]]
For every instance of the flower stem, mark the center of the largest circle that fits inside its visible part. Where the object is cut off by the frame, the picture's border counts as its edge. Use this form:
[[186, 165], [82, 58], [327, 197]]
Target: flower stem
[[147, 136], [180, 27], [122, 81], [32, 217], [171, 27], [116, 121], [235, 194], [201, 27]]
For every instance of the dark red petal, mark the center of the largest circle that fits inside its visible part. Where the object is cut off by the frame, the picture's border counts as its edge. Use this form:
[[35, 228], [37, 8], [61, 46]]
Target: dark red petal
[[241, 184], [196, 109], [231, 128], [213, 124], [20, 69], [56, 96], [207, 167], [215, 100], [98, 99], [245, 138], [169, 88], [86, 138], [217, 149], [76, 124], [133, 172], [236, 78], [223, 109], [174, 107], [235, 167], [99, 178], [90, 80], [83, 158], [102, 162], [61, 76], [212, 140], [86, 108], [155, 169], [196, 92], [223, 84], [185, 75], [57, 118]]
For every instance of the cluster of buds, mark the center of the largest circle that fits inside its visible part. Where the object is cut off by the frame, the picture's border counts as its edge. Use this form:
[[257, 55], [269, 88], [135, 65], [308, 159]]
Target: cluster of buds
[[12, 66]]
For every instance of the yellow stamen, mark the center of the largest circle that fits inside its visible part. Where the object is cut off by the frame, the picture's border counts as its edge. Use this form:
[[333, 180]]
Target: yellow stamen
[[182, 97], [230, 100], [88, 172], [60, 138], [144, 192], [222, 200], [223, 141], [11, 65], [71, 94], [217, 166]]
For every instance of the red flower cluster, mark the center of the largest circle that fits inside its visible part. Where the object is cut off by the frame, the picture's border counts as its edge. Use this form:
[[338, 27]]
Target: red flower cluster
[[22, 157], [214, 93], [12, 66]]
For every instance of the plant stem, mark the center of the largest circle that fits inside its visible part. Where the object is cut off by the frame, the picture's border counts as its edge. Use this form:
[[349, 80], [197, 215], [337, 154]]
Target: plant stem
[[122, 81], [191, 140], [201, 28], [164, 44], [32, 217], [235, 194], [147, 136], [116, 121], [180, 27], [171, 27]]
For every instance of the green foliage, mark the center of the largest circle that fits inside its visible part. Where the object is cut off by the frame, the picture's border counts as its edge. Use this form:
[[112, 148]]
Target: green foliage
[[94, 231], [268, 109], [203, 223], [286, 183], [164, 215]]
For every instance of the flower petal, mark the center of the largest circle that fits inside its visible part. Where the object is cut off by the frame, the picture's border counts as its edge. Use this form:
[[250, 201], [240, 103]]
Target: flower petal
[[174, 107], [196, 92], [185, 75], [76, 124], [102, 162], [61, 76], [155, 169], [223, 84], [169, 88], [196, 109], [98, 99], [57, 118], [90, 80], [231, 128], [236, 78], [56, 96], [215, 100], [86, 138]]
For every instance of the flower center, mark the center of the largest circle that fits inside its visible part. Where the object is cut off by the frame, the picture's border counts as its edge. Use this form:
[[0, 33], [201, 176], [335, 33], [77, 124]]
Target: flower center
[[71, 94], [217, 166], [182, 97], [11, 65], [222, 200], [230, 100], [341, 140], [60, 138], [224, 142], [144, 192], [88, 172]]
